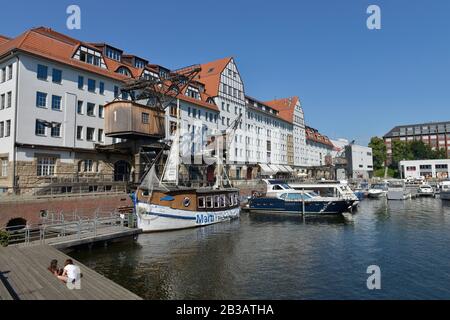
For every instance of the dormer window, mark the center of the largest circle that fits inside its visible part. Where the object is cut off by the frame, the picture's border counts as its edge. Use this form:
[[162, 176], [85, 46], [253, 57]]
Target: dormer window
[[140, 64], [113, 54], [148, 75], [90, 56], [193, 93], [125, 71]]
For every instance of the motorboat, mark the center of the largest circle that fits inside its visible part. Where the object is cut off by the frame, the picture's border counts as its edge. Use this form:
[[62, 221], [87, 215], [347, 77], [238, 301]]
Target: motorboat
[[445, 190], [425, 190], [378, 190], [282, 198], [337, 189], [397, 190]]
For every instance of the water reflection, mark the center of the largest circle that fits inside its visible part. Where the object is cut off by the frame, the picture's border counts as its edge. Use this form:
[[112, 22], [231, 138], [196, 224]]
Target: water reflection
[[265, 256]]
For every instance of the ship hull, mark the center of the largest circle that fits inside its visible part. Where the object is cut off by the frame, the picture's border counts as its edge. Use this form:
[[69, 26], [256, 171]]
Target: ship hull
[[157, 218], [275, 205]]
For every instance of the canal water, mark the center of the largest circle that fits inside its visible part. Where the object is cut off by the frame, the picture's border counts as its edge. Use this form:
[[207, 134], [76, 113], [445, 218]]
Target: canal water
[[283, 257]]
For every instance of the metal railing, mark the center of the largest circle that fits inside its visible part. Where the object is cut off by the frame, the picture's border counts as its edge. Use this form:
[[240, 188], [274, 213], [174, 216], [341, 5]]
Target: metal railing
[[59, 227]]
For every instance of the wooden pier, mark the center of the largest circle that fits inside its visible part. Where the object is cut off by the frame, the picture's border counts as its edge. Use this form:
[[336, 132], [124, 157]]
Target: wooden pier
[[24, 276]]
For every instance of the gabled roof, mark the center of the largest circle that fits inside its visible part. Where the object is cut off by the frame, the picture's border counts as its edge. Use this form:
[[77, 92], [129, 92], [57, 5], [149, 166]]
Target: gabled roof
[[210, 75], [55, 46], [285, 107]]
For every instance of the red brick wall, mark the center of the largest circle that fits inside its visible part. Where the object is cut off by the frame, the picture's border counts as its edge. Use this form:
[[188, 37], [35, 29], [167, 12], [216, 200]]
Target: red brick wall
[[86, 206]]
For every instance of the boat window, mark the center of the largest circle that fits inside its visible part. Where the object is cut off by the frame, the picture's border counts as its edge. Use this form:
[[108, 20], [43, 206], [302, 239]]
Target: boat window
[[297, 196], [286, 186], [222, 201], [236, 199], [145, 193], [201, 202], [216, 201], [277, 187], [209, 202], [283, 196], [231, 200], [313, 194]]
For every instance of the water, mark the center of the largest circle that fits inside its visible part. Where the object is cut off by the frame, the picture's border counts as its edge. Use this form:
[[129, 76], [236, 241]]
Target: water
[[281, 257]]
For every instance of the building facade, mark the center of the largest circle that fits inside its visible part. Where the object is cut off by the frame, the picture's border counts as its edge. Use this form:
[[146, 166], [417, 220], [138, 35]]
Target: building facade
[[434, 134], [359, 162], [428, 169], [318, 149], [53, 92]]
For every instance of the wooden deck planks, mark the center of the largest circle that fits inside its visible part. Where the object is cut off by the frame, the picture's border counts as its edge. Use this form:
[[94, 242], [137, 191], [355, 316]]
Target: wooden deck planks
[[27, 274]]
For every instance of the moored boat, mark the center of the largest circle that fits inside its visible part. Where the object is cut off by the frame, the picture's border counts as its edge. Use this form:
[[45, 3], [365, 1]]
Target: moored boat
[[445, 190], [425, 190], [281, 198], [397, 190], [378, 190]]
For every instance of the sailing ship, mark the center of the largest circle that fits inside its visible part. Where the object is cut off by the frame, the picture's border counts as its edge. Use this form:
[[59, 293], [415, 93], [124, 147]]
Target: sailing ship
[[165, 205]]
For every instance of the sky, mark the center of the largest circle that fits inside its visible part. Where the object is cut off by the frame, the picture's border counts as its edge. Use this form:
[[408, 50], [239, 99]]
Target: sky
[[353, 82]]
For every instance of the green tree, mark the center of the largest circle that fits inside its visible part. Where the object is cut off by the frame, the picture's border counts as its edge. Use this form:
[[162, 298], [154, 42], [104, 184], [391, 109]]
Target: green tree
[[439, 154], [420, 150], [401, 150], [378, 152]]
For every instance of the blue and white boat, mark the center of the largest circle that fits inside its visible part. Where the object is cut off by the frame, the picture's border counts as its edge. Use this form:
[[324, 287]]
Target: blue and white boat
[[281, 198]]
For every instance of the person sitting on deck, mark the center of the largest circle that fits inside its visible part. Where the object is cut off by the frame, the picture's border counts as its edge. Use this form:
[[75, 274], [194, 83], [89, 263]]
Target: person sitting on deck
[[71, 273], [53, 268]]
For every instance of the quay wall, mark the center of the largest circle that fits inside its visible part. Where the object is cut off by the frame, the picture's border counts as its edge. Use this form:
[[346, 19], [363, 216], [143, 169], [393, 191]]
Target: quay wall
[[86, 206]]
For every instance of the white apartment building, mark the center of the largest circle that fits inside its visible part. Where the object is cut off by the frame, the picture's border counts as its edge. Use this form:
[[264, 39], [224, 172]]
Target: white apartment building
[[359, 161], [319, 149], [428, 169]]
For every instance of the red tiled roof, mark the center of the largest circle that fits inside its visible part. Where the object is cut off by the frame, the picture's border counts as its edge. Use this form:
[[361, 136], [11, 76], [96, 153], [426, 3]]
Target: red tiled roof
[[210, 75], [49, 44], [4, 39], [316, 136], [285, 107]]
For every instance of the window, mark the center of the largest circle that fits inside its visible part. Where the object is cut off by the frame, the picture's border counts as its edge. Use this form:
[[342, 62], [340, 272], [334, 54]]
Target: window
[[113, 54], [172, 127], [87, 166], [173, 111], [57, 76], [80, 82], [79, 133], [410, 168], [116, 91], [100, 135], [201, 203], [10, 71], [40, 128], [41, 100], [101, 113], [42, 72], [91, 85], [9, 100], [2, 102], [56, 130], [124, 71], [4, 167], [124, 95], [90, 56], [145, 118], [90, 110], [90, 134], [46, 167], [209, 202], [222, 201], [56, 103], [8, 128], [80, 107], [2, 129], [3, 75]]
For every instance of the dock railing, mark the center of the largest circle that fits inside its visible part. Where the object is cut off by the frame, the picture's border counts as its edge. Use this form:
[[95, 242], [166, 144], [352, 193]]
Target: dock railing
[[54, 228]]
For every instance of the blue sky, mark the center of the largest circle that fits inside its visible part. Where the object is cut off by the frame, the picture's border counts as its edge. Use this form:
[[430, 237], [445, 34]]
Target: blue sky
[[353, 82]]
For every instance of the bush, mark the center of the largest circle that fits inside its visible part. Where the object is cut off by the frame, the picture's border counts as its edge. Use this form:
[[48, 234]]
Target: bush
[[4, 238]]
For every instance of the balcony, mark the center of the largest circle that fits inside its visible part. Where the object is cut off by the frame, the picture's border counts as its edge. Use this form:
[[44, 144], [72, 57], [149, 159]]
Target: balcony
[[130, 120]]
